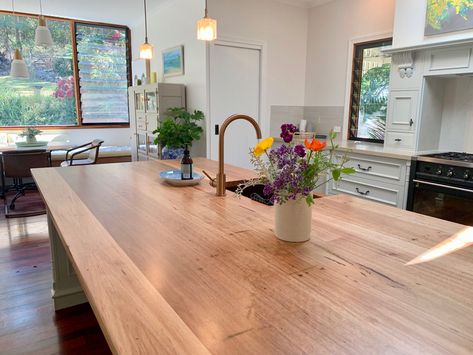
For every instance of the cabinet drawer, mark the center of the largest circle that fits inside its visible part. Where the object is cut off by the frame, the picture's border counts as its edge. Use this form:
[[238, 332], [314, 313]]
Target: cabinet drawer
[[390, 170], [140, 122], [371, 190], [402, 140]]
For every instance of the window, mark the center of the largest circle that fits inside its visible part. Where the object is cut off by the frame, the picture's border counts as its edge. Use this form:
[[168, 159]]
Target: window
[[81, 81], [369, 91], [103, 73]]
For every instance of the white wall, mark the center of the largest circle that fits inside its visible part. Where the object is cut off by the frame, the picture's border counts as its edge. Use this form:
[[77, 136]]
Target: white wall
[[283, 31], [409, 26], [457, 116], [331, 27], [173, 24]]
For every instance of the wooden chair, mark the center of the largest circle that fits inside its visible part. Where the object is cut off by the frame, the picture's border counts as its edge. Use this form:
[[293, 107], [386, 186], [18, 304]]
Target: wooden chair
[[17, 166], [91, 147]]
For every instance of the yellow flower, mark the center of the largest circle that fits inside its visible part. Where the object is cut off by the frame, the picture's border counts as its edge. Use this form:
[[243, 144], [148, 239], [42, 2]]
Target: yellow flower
[[263, 146]]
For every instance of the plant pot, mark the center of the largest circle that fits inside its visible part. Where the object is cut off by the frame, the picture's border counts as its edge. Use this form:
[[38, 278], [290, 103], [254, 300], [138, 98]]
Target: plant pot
[[172, 153], [30, 139], [293, 221]]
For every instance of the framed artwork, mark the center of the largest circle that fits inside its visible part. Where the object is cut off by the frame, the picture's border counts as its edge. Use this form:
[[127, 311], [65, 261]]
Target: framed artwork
[[173, 61], [444, 16]]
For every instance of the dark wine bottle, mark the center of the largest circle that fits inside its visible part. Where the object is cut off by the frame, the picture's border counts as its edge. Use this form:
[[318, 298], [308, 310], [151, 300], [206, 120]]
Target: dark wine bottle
[[186, 166]]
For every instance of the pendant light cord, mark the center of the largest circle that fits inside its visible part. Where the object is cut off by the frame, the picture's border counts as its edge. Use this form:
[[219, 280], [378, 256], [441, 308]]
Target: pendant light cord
[[146, 23], [13, 6], [40, 8], [206, 11]]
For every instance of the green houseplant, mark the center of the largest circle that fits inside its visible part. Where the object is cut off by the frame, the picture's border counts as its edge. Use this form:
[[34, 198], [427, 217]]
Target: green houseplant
[[30, 133], [177, 131]]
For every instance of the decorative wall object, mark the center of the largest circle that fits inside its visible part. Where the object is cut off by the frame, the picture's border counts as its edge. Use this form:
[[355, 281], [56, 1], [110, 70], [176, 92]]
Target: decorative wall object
[[173, 61], [448, 16]]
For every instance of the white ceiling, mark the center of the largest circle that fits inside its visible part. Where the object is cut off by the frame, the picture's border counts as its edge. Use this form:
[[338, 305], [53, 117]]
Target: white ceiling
[[305, 3], [126, 12]]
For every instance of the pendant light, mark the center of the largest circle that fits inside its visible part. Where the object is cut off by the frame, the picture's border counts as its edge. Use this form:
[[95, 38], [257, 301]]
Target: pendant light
[[42, 35], [18, 65], [206, 27], [146, 49]]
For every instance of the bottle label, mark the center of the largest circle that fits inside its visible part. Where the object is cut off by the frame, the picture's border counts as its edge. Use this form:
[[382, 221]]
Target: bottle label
[[186, 172]]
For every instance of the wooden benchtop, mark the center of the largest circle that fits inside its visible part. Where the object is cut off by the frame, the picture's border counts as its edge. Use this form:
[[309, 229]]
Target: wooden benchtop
[[180, 270]]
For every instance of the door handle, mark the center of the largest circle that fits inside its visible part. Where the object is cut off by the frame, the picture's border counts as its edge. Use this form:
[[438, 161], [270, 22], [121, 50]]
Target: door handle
[[398, 140], [217, 129], [411, 122]]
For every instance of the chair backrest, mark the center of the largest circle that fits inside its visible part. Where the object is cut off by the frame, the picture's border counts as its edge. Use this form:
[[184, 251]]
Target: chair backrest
[[18, 163], [94, 149]]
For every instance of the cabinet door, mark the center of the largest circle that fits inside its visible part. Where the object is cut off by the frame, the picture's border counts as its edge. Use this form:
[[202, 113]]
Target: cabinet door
[[402, 111]]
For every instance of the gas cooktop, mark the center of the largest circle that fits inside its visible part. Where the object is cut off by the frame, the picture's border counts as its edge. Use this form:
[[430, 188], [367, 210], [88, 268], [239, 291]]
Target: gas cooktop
[[449, 158]]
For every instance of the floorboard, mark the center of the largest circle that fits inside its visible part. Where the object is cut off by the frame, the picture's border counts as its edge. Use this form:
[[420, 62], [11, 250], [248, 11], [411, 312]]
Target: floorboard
[[28, 322]]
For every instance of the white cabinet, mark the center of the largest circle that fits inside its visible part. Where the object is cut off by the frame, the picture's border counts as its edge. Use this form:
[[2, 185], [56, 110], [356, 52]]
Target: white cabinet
[[402, 110], [447, 61], [148, 106], [377, 178]]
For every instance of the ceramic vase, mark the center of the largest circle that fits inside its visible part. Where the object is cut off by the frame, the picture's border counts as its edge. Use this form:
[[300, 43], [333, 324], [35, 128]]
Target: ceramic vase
[[293, 221], [172, 153]]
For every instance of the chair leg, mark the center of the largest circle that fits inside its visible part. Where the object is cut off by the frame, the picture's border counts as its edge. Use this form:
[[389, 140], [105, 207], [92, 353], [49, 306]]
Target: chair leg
[[18, 195]]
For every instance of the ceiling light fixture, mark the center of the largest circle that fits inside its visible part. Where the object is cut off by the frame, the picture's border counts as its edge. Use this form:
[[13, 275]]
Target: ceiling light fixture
[[42, 36], [18, 66], [146, 49], [206, 27]]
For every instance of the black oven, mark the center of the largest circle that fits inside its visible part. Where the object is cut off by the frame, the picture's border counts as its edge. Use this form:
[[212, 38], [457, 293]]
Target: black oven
[[441, 189]]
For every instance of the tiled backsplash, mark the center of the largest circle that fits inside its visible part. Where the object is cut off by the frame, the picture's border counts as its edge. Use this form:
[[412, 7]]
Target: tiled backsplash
[[320, 119]]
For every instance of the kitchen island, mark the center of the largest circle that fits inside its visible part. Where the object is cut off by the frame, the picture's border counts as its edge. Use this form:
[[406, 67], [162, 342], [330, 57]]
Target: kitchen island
[[180, 270]]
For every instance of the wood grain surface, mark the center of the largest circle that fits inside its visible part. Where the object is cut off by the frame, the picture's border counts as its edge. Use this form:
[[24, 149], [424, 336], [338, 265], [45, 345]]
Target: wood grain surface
[[180, 270]]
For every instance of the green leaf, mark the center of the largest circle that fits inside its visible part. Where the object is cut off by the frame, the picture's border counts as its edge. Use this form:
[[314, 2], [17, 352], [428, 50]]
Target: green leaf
[[348, 171], [336, 174], [309, 199]]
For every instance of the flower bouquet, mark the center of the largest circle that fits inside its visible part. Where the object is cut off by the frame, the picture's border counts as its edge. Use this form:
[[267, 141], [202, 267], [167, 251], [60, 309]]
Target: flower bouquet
[[290, 174]]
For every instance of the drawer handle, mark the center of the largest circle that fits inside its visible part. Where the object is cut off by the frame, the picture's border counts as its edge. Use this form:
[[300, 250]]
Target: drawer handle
[[366, 193], [398, 140], [411, 122], [364, 169]]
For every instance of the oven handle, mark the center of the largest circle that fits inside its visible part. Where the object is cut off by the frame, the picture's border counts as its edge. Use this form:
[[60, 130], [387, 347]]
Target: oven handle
[[441, 185]]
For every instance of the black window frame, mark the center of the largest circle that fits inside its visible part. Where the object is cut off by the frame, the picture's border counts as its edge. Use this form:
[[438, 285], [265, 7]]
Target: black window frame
[[355, 86], [77, 94]]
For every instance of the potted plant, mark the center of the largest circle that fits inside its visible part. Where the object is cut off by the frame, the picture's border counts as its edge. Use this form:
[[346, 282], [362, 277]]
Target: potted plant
[[177, 131], [290, 174], [30, 133]]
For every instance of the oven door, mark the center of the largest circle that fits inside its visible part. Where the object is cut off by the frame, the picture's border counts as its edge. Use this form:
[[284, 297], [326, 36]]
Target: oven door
[[451, 203]]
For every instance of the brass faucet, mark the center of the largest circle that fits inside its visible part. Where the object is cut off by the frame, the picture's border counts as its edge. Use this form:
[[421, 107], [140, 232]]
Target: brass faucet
[[221, 180]]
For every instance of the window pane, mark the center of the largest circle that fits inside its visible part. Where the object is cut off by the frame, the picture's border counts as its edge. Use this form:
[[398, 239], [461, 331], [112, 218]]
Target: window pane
[[102, 55], [370, 90], [47, 97]]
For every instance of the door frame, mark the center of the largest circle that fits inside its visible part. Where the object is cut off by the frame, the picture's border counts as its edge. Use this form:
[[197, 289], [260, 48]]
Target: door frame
[[264, 110]]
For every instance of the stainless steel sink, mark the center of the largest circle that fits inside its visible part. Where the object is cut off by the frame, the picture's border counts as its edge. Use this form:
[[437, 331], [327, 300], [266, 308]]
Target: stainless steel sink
[[254, 192]]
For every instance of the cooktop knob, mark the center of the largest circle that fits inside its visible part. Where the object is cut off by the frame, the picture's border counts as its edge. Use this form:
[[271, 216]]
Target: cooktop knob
[[439, 171], [450, 173], [466, 175]]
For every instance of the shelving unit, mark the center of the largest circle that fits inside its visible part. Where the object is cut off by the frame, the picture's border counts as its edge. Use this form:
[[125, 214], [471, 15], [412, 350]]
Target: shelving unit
[[148, 106]]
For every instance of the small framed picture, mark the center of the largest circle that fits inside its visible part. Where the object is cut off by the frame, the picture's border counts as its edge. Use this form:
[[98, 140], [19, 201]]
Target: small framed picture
[[173, 61]]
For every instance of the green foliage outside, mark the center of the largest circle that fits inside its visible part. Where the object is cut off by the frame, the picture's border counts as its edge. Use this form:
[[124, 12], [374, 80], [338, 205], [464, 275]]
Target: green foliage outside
[[374, 100], [179, 129], [34, 101]]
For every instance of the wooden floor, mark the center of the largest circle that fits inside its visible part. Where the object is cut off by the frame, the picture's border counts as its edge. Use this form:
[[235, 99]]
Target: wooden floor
[[28, 323]]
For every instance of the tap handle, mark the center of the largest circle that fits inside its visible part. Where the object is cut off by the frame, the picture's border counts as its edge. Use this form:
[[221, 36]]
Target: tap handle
[[212, 180]]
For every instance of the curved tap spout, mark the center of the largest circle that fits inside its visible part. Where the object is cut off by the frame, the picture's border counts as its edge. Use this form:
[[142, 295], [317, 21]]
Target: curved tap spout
[[221, 180]]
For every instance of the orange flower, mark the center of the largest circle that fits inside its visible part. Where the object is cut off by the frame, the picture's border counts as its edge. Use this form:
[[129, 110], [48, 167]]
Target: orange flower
[[315, 145]]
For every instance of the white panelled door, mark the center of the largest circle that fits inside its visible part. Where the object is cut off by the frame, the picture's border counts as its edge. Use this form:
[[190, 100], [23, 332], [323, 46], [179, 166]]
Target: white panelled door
[[235, 88]]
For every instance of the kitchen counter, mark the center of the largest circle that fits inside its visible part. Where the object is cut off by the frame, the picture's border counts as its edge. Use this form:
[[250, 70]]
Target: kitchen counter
[[180, 270], [376, 149]]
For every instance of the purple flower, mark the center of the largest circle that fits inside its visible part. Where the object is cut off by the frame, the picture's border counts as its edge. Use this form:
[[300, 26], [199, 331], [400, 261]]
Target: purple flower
[[299, 150], [287, 132]]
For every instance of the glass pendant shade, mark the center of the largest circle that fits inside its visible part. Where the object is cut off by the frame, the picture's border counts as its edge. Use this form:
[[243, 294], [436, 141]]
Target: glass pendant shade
[[43, 36], [207, 29], [18, 66], [146, 51]]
